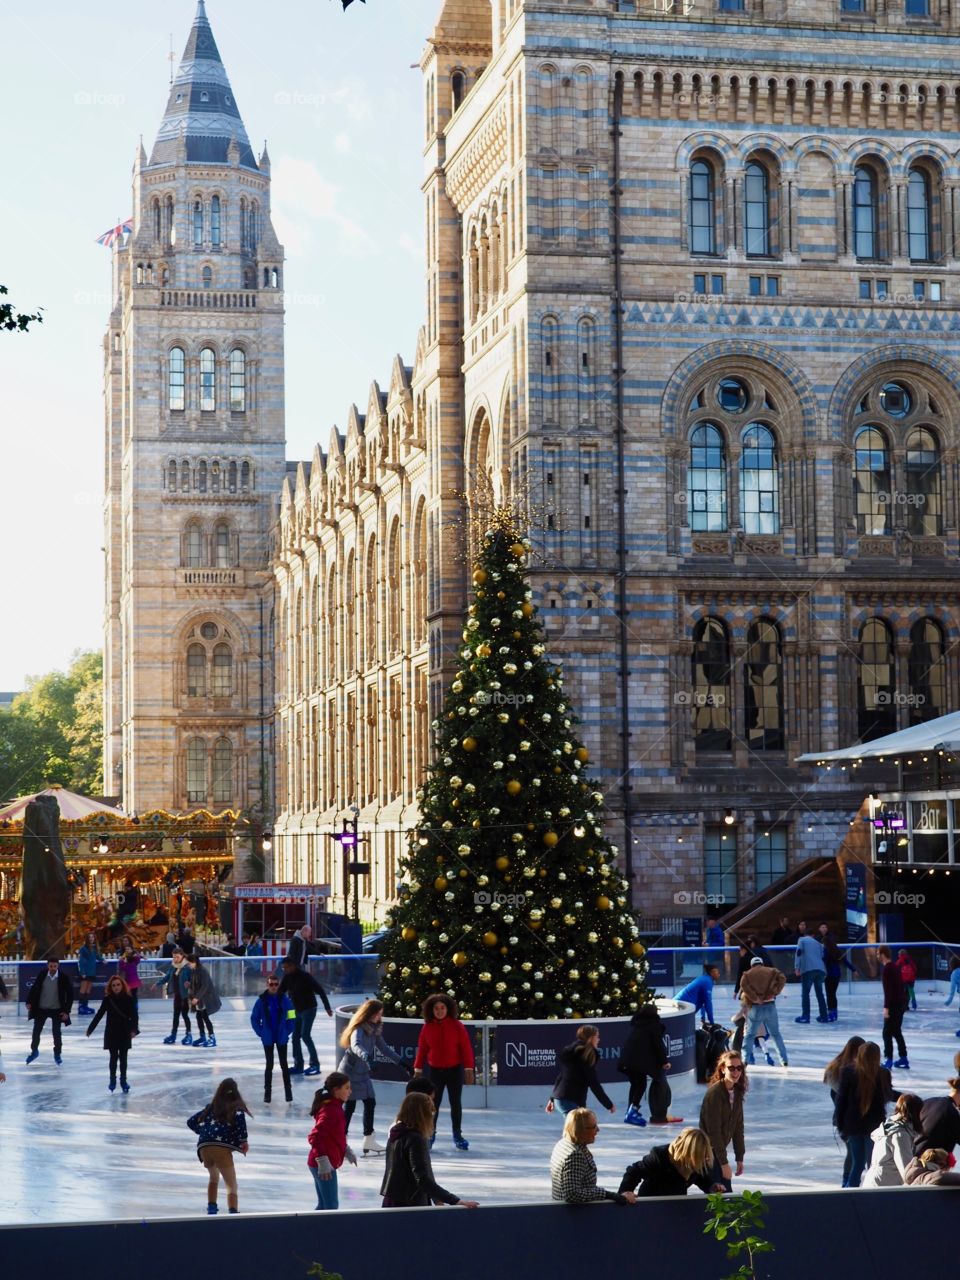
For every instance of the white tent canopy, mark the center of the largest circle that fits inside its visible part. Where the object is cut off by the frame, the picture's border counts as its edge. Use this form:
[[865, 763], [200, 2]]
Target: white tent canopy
[[941, 734]]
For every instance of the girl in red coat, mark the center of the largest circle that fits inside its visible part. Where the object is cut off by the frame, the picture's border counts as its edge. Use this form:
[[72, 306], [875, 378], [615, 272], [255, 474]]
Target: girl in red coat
[[444, 1049], [328, 1138]]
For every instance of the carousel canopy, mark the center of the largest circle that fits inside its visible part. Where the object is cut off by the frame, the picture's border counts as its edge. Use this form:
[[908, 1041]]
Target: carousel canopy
[[940, 734], [73, 807]]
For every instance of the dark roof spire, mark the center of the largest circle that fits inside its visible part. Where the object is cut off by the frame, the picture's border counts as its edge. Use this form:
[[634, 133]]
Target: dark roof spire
[[201, 106]]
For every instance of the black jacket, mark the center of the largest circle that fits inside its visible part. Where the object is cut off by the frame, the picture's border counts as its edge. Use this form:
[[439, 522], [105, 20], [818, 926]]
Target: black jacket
[[846, 1116], [408, 1177], [576, 1077], [940, 1125], [303, 989], [644, 1051], [64, 990], [122, 1022], [657, 1175]]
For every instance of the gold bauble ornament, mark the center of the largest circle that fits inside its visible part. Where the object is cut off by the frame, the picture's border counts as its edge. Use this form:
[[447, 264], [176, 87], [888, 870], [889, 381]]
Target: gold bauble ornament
[[604, 903], [489, 938], [526, 609], [557, 769], [501, 595], [504, 951], [638, 949], [518, 635], [502, 863], [513, 787], [484, 651], [469, 744], [408, 933], [517, 549], [583, 755], [440, 883], [479, 577], [463, 873], [550, 838], [459, 959]]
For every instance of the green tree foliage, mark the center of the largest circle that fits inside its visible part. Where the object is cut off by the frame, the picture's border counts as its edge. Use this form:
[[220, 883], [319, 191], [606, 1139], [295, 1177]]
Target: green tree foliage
[[54, 731], [511, 899], [735, 1221], [12, 319]]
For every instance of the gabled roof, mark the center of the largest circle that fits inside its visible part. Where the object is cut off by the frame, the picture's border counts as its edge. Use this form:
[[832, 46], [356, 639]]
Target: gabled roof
[[201, 108]]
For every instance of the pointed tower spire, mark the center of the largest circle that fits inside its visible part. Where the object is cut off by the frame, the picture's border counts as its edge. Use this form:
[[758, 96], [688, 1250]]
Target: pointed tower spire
[[201, 106]]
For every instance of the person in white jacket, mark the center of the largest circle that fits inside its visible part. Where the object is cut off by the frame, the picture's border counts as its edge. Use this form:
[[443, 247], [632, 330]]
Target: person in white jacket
[[893, 1144]]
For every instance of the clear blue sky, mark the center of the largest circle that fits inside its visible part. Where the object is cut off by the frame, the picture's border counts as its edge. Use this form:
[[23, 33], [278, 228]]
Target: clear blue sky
[[335, 98]]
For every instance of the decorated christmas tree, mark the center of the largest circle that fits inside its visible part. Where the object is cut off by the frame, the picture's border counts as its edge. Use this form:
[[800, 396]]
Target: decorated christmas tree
[[511, 899]]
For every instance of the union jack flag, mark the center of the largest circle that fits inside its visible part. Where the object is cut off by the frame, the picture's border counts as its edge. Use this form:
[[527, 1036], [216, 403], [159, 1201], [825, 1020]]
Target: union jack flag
[[115, 233]]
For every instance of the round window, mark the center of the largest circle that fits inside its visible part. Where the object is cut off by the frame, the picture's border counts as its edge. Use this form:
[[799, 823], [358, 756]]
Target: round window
[[895, 399], [209, 631], [732, 395]]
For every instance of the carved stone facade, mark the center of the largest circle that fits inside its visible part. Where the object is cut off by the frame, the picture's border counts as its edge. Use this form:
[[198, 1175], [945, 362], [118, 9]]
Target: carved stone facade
[[692, 295]]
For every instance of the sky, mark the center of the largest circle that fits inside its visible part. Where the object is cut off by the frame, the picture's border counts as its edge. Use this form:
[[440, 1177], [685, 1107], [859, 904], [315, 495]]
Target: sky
[[335, 97]]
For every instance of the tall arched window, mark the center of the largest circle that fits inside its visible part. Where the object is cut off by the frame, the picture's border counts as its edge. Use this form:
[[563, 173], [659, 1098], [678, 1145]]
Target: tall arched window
[[759, 482], [586, 369], [871, 482], [253, 225], [201, 476], [918, 216], [756, 210], [876, 685], [458, 86], [924, 501], [208, 379], [762, 680], [176, 380], [197, 223], [238, 381], [197, 671], [394, 638], [221, 545], [169, 224], [703, 212], [866, 213], [420, 575], [550, 347], [215, 222], [707, 480], [711, 686], [184, 476], [206, 276], [194, 548], [243, 225], [157, 221], [231, 477], [196, 771], [370, 603], [244, 477], [350, 615], [928, 671], [172, 475], [222, 788], [214, 477], [222, 679]]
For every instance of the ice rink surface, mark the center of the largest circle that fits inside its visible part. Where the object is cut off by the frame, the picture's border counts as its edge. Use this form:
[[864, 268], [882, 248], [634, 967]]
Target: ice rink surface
[[71, 1151]]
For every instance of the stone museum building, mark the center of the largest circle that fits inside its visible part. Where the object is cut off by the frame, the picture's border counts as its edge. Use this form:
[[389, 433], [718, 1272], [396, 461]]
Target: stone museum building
[[693, 303]]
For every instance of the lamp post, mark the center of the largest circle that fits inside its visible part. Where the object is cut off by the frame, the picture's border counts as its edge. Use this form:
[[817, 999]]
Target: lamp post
[[349, 844]]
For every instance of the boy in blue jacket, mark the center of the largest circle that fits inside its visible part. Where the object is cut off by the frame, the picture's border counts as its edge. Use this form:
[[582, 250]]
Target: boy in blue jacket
[[273, 1018], [699, 992]]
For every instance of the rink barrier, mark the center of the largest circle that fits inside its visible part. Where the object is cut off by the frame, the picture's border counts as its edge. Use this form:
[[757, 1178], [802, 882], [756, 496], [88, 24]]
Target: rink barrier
[[815, 1233]]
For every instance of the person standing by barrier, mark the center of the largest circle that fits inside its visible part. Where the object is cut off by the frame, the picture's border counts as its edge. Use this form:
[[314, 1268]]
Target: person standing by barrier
[[893, 1144], [954, 984], [808, 966], [122, 1024], [363, 1041], [940, 1119], [205, 1000], [721, 1115], [221, 1129], [176, 979], [759, 989], [273, 1018], [573, 1170], [833, 961], [328, 1138], [88, 957], [699, 992], [128, 965], [445, 1050], [671, 1171], [408, 1180], [644, 1056], [908, 973], [894, 1007], [51, 996], [303, 988], [861, 1106], [578, 1074]]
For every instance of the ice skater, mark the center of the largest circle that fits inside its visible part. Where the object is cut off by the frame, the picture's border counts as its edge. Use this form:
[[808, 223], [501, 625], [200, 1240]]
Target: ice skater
[[809, 968], [122, 1024], [51, 996], [221, 1129], [862, 1095], [303, 989], [273, 1018], [205, 1000], [954, 984], [894, 1007], [908, 972], [672, 1170], [408, 1180], [176, 978], [578, 1075], [445, 1050], [128, 965], [328, 1138], [364, 1044], [88, 957], [644, 1057], [834, 960], [721, 1115], [759, 989]]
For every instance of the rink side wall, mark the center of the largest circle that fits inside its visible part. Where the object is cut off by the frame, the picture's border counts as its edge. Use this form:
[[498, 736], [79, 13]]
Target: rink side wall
[[841, 1233]]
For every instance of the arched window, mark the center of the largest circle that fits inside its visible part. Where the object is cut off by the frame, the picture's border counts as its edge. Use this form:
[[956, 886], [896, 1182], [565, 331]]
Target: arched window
[[222, 679], [711, 686], [244, 477], [924, 501], [184, 476], [215, 222], [197, 671], [238, 381], [274, 278], [370, 604], [194, 547], [221, 546], [707, 480], [550, 346], [756, 205], [703, 208], [866, 213], [394, 638], [198, 223], [176, 380], [139, 273], [253, 225], [871, 482], [196, 771], [876, 685], [169, 224], [759, 482], [222, 788], [206, 276], [201, 476], [458, 86], [762, 681], [232, 477], [214, 477], [208, 380], [918, 216], [243, 225], [157, 221], [172, 475], [928, 672], [586, 369]]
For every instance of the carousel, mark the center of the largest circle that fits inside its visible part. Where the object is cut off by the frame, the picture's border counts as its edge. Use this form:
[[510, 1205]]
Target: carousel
[[142, 874]]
